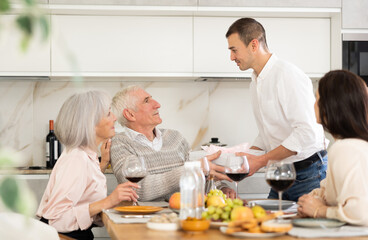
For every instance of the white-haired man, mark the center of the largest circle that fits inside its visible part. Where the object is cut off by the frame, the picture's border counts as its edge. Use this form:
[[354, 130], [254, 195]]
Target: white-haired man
[[163, 150]]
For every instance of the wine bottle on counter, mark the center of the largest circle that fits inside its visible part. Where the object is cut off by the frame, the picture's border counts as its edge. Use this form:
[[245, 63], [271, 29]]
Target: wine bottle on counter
[[53, 148]]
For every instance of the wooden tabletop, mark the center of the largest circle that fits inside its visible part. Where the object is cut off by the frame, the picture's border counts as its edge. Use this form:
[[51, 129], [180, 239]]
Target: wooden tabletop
[[139, 231]]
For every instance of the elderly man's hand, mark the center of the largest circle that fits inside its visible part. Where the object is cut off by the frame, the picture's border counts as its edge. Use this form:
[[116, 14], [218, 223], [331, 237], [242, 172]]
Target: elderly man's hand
[[105, 154], [230, 193], [216, 170]]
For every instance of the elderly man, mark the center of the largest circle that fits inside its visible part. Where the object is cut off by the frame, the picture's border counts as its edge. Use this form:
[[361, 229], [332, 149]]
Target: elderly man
[[164, 150]]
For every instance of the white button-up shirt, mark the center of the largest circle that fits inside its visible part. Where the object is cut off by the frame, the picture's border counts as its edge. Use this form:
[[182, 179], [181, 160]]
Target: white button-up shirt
[[156, 143], [283, 105]]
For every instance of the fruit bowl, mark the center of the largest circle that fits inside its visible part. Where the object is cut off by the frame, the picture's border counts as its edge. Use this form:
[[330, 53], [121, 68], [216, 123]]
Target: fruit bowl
[[195, 225]]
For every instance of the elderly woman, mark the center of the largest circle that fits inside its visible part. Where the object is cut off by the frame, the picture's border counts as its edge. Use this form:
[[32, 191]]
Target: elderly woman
[[76, 192], [342, 108]]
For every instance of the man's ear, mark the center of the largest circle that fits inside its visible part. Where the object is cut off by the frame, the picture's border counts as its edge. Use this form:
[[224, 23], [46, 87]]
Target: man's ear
[[129, 115], [255, 44]]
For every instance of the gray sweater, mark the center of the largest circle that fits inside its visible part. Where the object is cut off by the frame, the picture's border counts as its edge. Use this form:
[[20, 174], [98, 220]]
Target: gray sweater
[[164, 167]]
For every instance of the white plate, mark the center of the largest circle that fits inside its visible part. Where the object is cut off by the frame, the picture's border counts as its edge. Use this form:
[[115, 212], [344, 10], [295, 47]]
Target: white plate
[[218, 224], [288, 215], [175, 210], [251, 235], [163, 226], [317, 222], [272, 204]]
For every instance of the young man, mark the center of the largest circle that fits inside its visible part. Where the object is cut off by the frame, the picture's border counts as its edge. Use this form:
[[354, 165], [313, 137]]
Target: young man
[[283, 99]]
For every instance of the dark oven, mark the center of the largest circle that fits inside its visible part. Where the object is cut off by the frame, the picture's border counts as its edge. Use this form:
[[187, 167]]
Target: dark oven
[[355, 54]]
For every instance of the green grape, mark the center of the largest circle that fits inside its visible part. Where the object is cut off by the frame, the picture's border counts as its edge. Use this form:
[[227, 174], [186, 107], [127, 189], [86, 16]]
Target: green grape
[[211, 210], [227, 209], [238, 202], [209, 195], [225, 215], [228, 201], [215, 216], [219, 211], [230, 204], [224, 196], [215, 194], [204, 214]]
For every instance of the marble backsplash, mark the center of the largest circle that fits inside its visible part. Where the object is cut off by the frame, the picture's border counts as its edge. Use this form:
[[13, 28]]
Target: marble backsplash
[[199, 110]]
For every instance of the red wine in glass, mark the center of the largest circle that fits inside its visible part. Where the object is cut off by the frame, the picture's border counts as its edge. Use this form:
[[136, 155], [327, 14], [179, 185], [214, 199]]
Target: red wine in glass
[[134, 179], [237, 177], [280, 185], [134, 170], [280, 176], [237, 168]]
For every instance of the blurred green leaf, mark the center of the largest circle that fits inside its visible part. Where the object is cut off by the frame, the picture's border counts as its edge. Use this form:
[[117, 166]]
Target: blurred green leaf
[[26, 203], [6, 161], [29, 2], [24, 22], [9, 192], [4, 5], [44, 23], [25, 42]]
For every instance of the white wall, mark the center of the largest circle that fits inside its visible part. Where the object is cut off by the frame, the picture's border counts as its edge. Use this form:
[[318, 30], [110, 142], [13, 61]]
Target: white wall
[[199, 110]]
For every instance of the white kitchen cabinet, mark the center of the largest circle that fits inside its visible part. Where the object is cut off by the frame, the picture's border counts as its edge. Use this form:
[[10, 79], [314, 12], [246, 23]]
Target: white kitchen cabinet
[[122, 45], [13, 61], [271, 3], [354, 14], [304, 42]]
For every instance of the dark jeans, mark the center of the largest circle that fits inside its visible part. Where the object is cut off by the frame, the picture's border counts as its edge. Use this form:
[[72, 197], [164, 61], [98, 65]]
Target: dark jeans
[[77, 234], [307, 179]]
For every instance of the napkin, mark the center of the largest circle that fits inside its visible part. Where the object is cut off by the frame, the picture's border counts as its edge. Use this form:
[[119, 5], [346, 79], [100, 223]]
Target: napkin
[[344, 231], [116, 216]]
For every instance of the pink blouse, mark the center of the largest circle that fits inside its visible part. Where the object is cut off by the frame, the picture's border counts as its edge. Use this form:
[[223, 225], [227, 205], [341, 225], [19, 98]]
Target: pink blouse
[[75, 182]]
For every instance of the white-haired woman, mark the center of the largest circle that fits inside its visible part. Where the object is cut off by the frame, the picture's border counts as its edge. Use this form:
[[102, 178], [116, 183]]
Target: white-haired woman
[[76, 192]]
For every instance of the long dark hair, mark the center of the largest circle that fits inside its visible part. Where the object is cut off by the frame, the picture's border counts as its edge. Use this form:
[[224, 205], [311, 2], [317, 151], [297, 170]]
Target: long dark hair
[[343, 104]]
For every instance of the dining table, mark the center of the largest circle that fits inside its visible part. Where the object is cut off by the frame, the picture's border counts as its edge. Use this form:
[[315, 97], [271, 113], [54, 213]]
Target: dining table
[[139, 231]]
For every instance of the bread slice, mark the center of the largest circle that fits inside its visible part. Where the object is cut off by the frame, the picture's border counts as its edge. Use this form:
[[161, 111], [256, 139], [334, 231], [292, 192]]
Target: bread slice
[[276, 226]]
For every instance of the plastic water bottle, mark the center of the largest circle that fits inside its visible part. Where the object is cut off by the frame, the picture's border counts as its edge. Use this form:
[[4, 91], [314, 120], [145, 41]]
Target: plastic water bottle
[[192, 191], [188, 191], [201, 181]]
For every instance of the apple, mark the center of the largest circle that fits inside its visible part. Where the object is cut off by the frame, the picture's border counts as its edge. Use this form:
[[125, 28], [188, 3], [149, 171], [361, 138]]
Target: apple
[[174, 201], [241, 213]]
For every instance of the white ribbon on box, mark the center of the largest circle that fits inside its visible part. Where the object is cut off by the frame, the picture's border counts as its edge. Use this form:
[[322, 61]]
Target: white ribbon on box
[[243, 147]]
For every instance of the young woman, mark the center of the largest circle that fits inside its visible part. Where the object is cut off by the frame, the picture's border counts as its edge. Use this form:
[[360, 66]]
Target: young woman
[[342, 108], [76, 192]]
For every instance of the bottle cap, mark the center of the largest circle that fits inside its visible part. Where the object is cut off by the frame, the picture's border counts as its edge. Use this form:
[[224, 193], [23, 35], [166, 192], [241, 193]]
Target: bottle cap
[[51, 124]]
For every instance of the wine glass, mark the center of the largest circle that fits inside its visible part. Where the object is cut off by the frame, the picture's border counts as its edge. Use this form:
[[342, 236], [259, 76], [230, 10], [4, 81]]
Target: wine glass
[[134, 170], [237, 168], [210, 185], [280, 176], [205, 167]]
